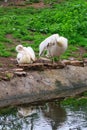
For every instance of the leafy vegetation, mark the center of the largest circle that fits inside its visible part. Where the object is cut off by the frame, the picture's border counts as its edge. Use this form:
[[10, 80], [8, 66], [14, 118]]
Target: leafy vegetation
[[8, 111], [30, 26], [76, 101]]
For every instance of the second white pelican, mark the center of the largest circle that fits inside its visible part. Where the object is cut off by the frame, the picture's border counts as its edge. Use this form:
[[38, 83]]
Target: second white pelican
[[25, 54]]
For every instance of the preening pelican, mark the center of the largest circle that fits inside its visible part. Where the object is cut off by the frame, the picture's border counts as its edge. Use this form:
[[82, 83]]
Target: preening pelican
[[55, 45], [25, 54]]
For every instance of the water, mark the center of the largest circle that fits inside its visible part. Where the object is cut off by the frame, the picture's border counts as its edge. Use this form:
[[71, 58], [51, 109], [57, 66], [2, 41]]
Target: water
[[46, 117]]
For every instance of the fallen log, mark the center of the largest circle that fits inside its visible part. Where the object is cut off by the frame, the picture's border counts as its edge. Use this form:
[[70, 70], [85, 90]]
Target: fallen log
[[38, 65], [43, 64], [45, 85]]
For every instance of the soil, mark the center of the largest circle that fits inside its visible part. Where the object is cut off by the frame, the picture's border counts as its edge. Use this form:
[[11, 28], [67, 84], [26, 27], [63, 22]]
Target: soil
[[21, 3], [7, 65]]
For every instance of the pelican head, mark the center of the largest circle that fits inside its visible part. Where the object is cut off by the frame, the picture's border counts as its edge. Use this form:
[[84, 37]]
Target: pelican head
[[19, 48]]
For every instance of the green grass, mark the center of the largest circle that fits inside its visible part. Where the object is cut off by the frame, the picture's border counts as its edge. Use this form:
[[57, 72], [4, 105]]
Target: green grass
[[8, 111], [30, 25], [75, 102]]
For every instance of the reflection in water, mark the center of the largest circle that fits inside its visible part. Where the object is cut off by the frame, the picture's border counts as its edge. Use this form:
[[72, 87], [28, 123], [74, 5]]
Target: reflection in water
[[46, 117], [26, 111], [55, 115]]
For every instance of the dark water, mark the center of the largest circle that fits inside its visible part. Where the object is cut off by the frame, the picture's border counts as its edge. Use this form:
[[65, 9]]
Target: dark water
[[46, 117]]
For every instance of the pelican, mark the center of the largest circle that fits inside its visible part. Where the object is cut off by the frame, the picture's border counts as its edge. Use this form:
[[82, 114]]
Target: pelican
[[55, 45], [25, 54]]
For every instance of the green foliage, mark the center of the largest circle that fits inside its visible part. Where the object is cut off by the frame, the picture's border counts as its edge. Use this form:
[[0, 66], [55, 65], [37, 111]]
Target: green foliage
[[69, 101], [68, 19], [85, 55], [75, 102], [8, 74], [3, 51], [8, 111], [85, 94]]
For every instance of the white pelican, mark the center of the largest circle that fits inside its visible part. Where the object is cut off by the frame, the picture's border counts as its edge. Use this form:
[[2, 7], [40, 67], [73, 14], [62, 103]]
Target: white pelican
[[55, 45], [25, 54]]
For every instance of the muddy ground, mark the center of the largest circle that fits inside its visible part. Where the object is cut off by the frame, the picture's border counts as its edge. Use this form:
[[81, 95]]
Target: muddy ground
[[22, 3]]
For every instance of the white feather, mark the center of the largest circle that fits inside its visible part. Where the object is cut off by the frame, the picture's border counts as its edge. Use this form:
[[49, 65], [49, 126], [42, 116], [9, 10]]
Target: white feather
[[32, 53], [55, 45], [25, 54], [51, 40]]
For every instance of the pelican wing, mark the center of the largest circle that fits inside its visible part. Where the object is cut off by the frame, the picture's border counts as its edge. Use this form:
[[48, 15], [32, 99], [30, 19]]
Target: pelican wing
[[32, 53], [48, 42], [23, 58], [19, 57], [43, 46]]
